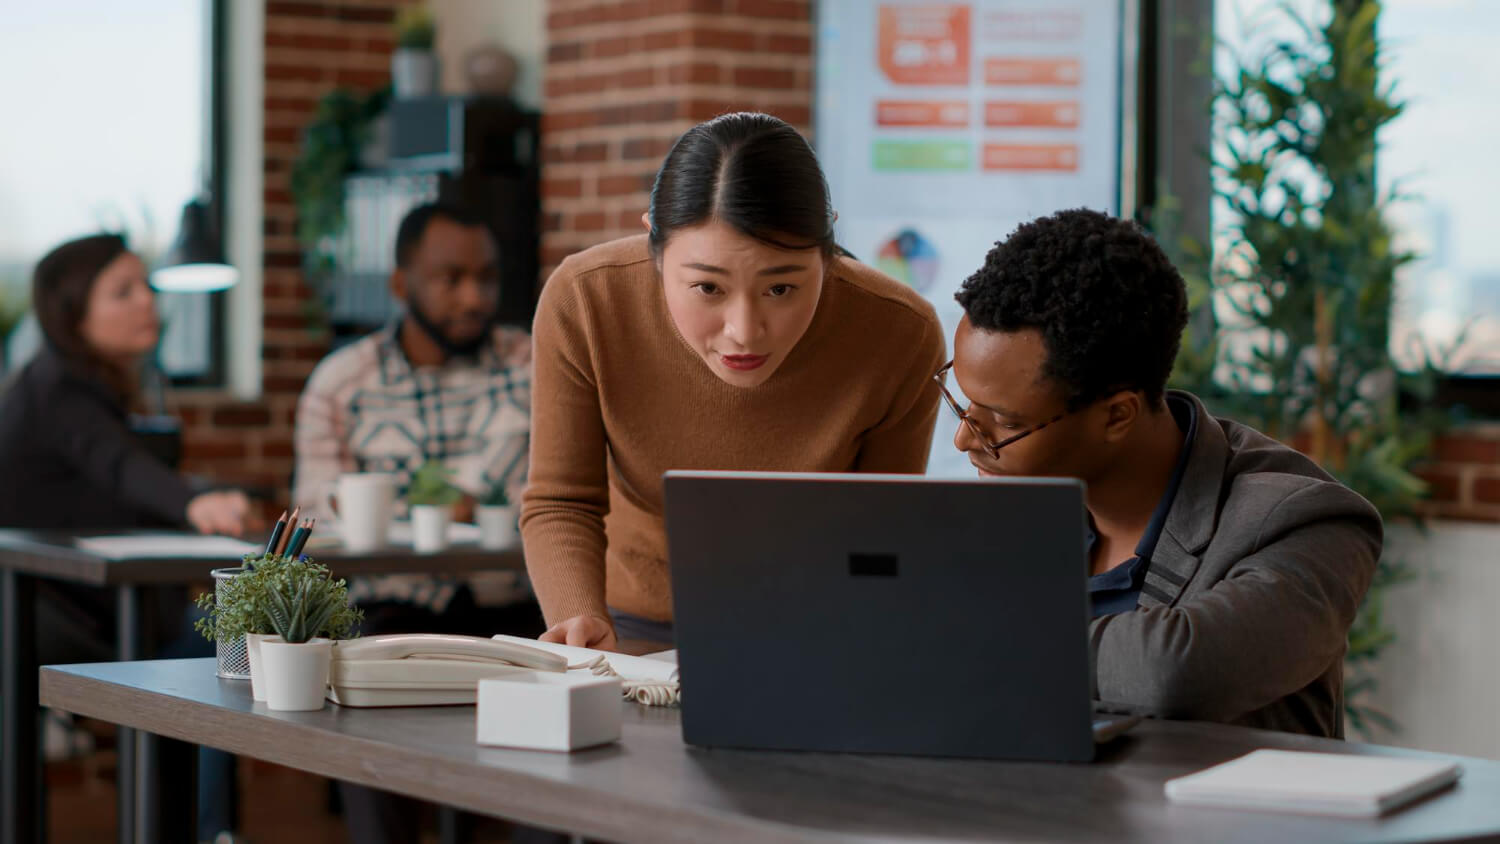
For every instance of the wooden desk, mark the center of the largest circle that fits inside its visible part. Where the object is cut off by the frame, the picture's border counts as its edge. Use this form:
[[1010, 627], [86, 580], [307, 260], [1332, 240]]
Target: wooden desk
[[652, 788], [28, 555]]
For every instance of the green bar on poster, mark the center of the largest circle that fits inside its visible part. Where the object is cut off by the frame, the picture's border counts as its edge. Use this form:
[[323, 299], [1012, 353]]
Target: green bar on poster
[[923, 155]]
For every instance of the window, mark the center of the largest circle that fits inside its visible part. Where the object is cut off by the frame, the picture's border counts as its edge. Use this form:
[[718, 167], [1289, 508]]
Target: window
[[110, 111], [1440, 55]]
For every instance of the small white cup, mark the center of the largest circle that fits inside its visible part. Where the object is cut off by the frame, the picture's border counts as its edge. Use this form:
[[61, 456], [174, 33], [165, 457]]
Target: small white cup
[[429, 528], [366, 502], [497, 528]]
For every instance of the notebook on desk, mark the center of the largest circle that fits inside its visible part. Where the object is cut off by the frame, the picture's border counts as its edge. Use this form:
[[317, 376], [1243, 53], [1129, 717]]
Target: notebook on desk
[[1343, 785]]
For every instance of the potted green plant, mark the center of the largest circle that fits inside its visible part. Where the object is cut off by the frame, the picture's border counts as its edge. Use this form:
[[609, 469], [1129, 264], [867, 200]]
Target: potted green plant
[[307, 608], [414, 65], [497, 520], [239, 608], [430, 498]]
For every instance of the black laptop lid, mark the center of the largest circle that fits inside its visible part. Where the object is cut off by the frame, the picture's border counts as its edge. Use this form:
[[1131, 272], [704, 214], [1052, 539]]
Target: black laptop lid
[[881, 614]]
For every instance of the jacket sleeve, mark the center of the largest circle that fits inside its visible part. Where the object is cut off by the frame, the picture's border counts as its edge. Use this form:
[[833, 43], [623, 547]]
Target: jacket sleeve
[[1277, 620], [93, 440]]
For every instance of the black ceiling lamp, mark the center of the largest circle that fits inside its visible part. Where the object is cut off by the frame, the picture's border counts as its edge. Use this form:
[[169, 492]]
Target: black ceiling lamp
[[195, 263]]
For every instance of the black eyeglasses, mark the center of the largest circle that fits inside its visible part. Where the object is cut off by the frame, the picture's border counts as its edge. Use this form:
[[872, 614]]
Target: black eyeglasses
[[992, 447]]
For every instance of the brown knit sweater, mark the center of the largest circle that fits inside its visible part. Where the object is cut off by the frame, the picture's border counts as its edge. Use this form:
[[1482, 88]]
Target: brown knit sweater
[[619, 398]]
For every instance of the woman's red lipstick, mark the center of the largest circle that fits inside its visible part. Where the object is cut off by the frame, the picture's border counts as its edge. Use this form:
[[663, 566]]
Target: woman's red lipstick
[[744, 363]]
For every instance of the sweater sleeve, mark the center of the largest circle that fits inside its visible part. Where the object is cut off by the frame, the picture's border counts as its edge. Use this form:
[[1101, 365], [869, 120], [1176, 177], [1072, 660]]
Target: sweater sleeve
[[902, 441], [567, 497], [97, 444]]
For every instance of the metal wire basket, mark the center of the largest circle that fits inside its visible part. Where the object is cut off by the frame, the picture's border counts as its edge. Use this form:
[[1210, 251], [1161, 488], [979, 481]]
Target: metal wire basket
[[233, 659]]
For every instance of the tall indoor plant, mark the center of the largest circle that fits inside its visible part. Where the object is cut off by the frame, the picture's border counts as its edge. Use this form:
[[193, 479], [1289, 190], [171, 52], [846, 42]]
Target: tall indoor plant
[[1297, 295]]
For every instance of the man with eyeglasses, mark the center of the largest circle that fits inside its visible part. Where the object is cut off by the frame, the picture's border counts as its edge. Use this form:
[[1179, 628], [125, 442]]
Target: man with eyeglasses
[[1225, 567]]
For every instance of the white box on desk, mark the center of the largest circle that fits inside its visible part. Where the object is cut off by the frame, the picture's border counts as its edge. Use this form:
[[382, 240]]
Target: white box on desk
[[542, 710]]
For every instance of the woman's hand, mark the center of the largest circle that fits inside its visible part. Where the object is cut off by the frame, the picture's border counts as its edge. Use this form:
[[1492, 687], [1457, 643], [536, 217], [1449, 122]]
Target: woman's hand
[[582, 631], [225, 512]]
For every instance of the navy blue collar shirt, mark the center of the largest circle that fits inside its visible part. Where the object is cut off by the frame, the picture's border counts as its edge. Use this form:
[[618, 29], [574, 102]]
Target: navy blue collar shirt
[[1119, 589]]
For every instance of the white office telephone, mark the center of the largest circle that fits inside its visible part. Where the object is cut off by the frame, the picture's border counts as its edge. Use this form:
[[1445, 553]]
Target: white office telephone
[[426, 669]]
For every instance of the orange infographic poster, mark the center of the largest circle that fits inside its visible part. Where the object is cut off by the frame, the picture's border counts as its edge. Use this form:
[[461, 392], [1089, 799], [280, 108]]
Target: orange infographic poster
[[943, 124], [925, 44]]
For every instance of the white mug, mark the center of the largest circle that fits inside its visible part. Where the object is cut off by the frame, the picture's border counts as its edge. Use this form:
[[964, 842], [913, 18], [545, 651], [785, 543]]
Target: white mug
[[366, 502]]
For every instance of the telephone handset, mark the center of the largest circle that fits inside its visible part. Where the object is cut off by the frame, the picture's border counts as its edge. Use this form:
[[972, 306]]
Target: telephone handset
[[426, 669], [448, 646]]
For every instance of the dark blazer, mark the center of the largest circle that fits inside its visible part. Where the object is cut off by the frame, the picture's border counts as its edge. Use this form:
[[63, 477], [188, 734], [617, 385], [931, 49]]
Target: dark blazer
[[69, 460], [1250, 594]]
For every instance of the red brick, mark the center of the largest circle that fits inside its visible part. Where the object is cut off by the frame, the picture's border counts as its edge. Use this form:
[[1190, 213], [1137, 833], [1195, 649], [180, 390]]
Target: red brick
[[242, 417], [362, 78], [590, 221], [641, 77], [608, 48], [202, 448], [304, 73], [646, 148], [778, 9], [308, 41], [1461, 447], [379, 44], [1442, 484], [567, 51], [283, 384], [630, 220], [727, 39], [553, 188], [622, 185], [665, 40], [777, 42], [552, 221], [569, 154], [763, 77], [1487, 490], [277, 448], [696, 73]]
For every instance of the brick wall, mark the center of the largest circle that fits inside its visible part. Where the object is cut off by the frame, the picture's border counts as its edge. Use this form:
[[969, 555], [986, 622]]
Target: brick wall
[[625, 78], [310, 48], [1464, 474]]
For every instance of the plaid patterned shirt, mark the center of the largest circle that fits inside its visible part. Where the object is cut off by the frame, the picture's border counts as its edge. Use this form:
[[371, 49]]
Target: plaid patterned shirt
[[367, 409]]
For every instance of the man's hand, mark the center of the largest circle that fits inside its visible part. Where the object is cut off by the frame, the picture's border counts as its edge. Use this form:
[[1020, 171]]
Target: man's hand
[[582, 631], [226, 513]]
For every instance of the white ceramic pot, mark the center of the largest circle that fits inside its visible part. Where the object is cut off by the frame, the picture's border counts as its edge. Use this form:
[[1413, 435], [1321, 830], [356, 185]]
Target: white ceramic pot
[[257, 673], [414, 73], [296, 675], [497, 528], [429, 528]]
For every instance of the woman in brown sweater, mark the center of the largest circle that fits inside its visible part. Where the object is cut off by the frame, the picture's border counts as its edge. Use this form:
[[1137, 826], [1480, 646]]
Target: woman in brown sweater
[[735, 336]]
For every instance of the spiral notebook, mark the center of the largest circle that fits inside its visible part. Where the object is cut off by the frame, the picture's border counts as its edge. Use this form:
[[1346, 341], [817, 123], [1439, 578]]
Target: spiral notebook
[[1345, 785]]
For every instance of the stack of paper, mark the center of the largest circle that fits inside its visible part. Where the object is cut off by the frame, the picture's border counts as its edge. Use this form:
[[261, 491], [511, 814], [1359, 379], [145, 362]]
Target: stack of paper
[[642, 668], [1316, 783], [142, 545]]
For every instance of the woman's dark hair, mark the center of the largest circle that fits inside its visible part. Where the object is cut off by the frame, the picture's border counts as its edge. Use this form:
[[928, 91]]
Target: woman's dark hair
[[60, 289], [751, 171]]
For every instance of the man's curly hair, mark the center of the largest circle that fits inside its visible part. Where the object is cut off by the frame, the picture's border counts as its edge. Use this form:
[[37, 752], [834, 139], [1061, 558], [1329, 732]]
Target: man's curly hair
[[1108, 303]]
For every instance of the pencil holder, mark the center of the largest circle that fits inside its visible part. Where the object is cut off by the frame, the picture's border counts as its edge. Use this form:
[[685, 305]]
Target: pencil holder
[[233, 659]]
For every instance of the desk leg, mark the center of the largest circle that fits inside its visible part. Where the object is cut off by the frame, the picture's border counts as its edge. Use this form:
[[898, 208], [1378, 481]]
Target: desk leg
[[157, 777], [127, 638], [23, 818]]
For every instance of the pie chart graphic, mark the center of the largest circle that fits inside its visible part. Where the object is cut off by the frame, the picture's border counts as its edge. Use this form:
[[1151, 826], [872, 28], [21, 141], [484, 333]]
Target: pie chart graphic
[[909, 258]]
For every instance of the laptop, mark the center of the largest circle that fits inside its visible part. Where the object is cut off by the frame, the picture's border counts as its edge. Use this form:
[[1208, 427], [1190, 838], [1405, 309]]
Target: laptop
[[890, 614]]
